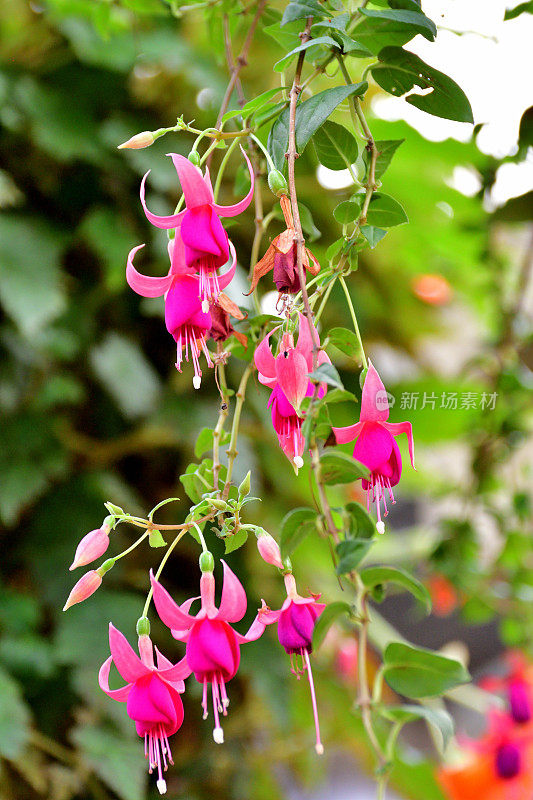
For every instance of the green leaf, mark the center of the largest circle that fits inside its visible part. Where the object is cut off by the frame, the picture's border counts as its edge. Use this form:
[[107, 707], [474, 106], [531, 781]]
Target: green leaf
[[331, 614], [235, 541], [372, 234], [338, 396], [346, 341], [326, 373], [310, 116], [372, 576], [304, 8], [416, 672], [386, 149], [252, 106], [359, 523], [437, 717], [336, 148], [385, 212], [155, 539], [338, 467], [337, 23], [308, 225], [415, 21], [161, 504], [521, 8], [119, 364], [295, 526], [351, 552], [347, 211], [324, 41], [398, 71], [14, 717], [378, 30], [114, 759]]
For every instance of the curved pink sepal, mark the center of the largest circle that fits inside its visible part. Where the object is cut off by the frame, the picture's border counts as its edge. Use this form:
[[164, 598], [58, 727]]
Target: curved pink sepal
[[225, 279], [349, 433], [196, 190], [374, 402], [166, 223], [169, 611], [121, 695], [126, 660], [238, 208], [145, 285], [403, 427], [233, 601], [253, 633], [176, 672], [263, 358]]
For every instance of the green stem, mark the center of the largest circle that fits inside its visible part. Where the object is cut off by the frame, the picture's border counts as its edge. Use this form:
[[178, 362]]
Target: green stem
[[222, 167], [354, 320], [201, 537], [132, 547], [232, 450], [324, 300], [263, 149], [161, 567]]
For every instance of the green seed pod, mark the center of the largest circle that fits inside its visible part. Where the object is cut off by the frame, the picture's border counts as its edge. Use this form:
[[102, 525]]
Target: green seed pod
[[244, 488], [206, 561], [277, 183], [143, 626], [106, 566], [194, 158]]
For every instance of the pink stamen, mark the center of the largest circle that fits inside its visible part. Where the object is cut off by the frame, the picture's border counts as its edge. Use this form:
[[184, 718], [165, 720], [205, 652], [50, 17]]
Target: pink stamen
[[204, 700], [319, 747]]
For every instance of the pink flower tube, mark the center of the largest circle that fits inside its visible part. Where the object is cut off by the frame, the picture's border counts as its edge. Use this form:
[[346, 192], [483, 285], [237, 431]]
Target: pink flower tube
[[213, 646], [151, 694]]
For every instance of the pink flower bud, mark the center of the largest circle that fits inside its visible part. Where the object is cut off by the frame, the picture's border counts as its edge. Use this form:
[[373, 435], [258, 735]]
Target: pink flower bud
[[269, 550], [85, 587], [137, 142], [92, 546]]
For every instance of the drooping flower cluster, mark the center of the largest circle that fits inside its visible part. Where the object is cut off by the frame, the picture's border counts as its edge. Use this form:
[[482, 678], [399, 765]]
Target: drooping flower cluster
[[200, 247], [287, 375], [497, 766], [375, 446]]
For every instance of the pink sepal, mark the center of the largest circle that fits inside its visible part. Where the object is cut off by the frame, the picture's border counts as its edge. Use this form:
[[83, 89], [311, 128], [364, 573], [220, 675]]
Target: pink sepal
[[255, 630], [227, 277], [103, 680], [196, 190], [374, 403], [168, 610], [145, 285], [349, 433], [233, 602], [176, 672], [166, 223], [269, 617], [238, 208], [305, 340], [126, 660], [264, 360], [291, 372], [403, 427]]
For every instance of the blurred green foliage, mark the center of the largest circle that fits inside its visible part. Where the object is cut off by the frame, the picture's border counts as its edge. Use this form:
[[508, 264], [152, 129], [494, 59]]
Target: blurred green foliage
[[93, 409]]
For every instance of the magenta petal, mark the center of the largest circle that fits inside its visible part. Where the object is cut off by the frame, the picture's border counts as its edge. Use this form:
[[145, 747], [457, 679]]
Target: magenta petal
[[349, 433], [225, 279], [150, 703], [263, 358], [232, 211], [121, 695], [233, 602], [374, 402], [203, 236], [195, 189], [374, 446], [173, 221], [176, 251], [213, 649], [403, 427], [144, 284], [182, 305], [169, 611], [291, 372], [126, 661]]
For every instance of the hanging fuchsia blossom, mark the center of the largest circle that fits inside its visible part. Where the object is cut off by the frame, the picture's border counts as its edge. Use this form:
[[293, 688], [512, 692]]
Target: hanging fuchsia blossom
[[375, 446], [213, 647], [152, 695], [185, 319], [205, 242], [287, 376], [296, 622]]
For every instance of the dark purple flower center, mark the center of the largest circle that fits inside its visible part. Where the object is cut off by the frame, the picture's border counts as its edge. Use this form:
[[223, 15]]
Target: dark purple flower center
[[519, 702], [508, 761]]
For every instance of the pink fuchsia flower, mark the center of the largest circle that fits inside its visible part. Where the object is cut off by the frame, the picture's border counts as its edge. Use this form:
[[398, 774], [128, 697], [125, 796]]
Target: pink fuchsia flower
[[92, 546], [84, 588], [269, 550], [296, 622], [375, 446], [206, 244], [517, 685], [287, 376], [213, 646], [151, 694], [185, 318]]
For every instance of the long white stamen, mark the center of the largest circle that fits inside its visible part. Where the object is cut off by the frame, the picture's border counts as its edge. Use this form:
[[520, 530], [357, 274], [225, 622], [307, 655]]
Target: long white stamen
[[319, 747]]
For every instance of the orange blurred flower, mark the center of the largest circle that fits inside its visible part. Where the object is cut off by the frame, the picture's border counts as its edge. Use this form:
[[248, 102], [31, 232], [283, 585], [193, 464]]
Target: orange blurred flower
[[432, 289]]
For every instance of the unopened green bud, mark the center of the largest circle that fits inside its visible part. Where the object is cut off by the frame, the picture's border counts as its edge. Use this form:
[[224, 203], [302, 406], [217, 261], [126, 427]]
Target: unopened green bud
[[277, 183], [206, 561], [106, 566], [221, 505], [244, 488], [108, 523], [143, 626], [194, 158]]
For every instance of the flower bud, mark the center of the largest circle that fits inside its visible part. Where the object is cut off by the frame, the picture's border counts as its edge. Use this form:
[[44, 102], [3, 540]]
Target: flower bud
[[206, 561], [85, 587], [277, 183], [269, 550], [143, 626], [220, 505], [91, 547], [137, 142], [194, 158], [244, 488]]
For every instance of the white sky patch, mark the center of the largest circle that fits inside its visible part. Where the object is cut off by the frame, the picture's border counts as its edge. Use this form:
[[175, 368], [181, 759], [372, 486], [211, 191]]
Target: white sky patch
[[465, 180], [512, 180], [332, 178]]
